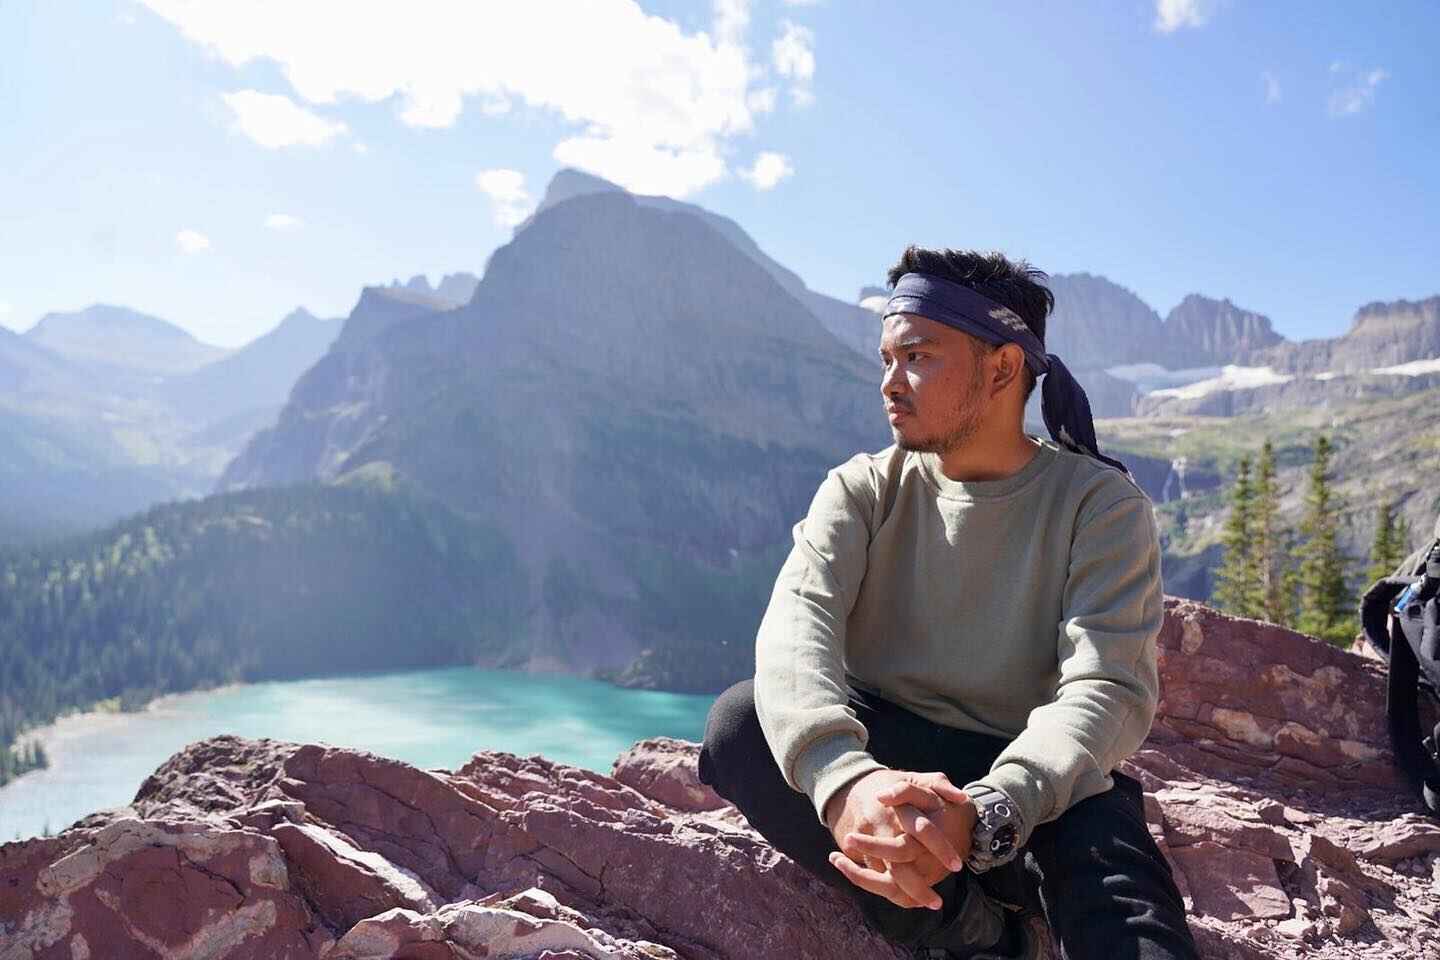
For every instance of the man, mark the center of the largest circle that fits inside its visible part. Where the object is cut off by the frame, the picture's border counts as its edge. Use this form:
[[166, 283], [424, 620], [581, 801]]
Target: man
[[961, 647]]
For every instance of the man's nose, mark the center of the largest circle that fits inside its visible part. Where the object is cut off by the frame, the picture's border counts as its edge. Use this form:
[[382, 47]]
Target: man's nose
[[893, 381]]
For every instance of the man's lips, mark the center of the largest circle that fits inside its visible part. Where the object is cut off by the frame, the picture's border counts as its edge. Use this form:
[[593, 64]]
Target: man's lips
[[894, 413]]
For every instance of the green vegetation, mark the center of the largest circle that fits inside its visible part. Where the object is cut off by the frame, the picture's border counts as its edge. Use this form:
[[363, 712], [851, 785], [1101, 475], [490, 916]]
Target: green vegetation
[[1237, 582], [1389, 546], [19, 758], [277, 583], [1257, 578], [1327, 606]]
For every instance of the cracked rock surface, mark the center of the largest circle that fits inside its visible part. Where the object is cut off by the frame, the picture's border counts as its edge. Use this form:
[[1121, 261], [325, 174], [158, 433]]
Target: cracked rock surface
[[1269, 786]]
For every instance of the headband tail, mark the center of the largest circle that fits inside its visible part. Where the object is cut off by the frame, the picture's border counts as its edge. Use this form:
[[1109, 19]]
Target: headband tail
[[1066, 409]]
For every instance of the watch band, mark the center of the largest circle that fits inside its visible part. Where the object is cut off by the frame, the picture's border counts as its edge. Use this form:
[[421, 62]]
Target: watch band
[[998, 828]]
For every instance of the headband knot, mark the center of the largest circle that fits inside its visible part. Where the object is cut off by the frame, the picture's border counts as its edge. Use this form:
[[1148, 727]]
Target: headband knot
[[1064, 404]]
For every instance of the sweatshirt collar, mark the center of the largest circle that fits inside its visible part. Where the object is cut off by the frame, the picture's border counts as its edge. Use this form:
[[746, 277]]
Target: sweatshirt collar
[[987, 489]]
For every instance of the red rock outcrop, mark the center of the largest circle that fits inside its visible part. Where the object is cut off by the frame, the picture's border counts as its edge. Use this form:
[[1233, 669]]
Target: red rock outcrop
[[1268, 785]]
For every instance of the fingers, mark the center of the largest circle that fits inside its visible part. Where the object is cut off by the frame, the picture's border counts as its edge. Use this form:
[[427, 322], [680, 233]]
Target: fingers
[[901, 849], [931, 837], [907, 792], [900, 886], [936, 783]]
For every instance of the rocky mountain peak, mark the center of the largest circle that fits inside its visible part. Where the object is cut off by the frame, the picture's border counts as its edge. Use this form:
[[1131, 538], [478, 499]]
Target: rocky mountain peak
[[1217, 331]]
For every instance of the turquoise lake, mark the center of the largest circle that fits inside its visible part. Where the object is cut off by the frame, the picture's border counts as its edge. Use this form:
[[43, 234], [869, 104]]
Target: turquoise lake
[[429, 718]]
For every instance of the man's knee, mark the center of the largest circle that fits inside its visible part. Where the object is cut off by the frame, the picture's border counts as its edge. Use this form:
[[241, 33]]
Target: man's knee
[[731, 729]]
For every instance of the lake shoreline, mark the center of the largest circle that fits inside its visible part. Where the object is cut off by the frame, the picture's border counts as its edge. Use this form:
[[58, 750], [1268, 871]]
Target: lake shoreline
[[54, 735]]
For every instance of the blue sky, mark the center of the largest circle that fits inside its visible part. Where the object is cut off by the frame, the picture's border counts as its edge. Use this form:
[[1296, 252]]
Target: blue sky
[[218, 164]]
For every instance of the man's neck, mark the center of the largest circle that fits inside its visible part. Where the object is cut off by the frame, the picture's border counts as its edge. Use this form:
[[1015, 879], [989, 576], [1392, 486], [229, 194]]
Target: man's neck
[[985, 458]]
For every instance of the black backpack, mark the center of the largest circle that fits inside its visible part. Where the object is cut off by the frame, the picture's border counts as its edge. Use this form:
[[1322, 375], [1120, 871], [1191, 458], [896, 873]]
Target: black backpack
[[1400, 615]]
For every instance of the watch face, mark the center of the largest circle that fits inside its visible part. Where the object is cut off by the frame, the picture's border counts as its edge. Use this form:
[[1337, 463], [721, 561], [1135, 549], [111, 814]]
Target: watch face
[[1003, 840]]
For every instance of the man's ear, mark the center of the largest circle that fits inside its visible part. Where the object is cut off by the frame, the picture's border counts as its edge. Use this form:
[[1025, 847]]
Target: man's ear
[[1012, 362]]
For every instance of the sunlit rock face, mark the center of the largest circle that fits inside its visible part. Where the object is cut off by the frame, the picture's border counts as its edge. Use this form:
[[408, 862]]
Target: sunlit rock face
[[1268, 784]]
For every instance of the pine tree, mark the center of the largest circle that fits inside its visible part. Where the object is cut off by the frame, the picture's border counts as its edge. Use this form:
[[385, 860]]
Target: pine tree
[[1401, 541], [1236, 579], [1324, 598], [1382, 548], [1275, 600]]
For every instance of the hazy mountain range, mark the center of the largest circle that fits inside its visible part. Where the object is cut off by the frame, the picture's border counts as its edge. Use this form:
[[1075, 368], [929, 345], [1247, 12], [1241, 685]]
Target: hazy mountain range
[[636, 403], [106, 410]]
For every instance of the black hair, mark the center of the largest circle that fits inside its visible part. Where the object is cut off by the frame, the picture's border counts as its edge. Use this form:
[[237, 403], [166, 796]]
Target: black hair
[[1011, 283]]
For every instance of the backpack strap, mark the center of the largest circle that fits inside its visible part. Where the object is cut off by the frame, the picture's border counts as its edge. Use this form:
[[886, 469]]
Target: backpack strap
[[1415, 753], [1375, 610]]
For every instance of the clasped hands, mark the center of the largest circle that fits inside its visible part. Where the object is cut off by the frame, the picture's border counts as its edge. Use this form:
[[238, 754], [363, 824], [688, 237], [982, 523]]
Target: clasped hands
[[900, 833]]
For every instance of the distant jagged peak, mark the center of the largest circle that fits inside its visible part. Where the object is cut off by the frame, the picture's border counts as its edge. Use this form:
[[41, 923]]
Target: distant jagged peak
[[1220, 326], [1387, 317], [454, 289], [401, 293]]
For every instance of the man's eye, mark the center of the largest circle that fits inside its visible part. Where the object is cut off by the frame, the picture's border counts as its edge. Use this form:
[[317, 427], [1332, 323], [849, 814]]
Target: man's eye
[[910, 357]]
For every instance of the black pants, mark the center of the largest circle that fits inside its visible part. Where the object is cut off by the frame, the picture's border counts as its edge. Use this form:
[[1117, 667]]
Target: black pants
[[1107, 890]]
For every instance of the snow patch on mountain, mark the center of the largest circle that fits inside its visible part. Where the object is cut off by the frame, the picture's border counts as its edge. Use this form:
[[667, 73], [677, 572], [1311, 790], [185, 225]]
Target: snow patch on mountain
[[1232, 377], [1412, 369]]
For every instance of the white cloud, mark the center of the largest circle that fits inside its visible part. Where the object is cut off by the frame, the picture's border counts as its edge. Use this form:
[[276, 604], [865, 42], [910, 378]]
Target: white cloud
[[360, 148], [793, 54], [769, 169], [283, 222], [496, 106], [5, 309], [732, 17], [761, 100], [649, 105], [191, 241], [274, 121], [1359, 93], [1172, 15], [1272, 86], [506, 190]]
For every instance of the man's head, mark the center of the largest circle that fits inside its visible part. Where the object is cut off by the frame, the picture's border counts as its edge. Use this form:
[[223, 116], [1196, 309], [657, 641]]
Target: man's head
[[941, 384], [1010, 283]]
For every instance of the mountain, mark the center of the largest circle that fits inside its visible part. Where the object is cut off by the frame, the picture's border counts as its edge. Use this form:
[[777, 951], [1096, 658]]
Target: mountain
[[26, 366], [257, 376], [644, 438], [117, 337], [330, 410], [454, 288], [1217, 331], [256, 585], [1384, 449], [852, 324]]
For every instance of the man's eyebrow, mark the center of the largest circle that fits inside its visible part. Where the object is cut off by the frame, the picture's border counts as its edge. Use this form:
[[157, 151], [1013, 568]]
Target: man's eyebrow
[[908, 342]]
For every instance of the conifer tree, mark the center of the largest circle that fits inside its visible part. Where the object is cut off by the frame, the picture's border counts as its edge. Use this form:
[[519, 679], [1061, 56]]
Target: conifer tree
[[1235, 579], [1401, 540], [1275, 601], [1325, 603], [1382, 548]]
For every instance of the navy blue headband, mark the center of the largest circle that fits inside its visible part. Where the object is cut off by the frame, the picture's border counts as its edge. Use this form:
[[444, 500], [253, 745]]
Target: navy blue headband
[[1063, 402]]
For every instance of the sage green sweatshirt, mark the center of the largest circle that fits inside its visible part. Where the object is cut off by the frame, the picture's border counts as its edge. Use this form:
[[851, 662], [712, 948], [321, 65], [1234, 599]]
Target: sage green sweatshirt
[[1026, 608]]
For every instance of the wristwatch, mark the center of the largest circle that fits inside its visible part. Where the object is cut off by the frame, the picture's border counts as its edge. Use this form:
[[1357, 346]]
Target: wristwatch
[[998, 828]]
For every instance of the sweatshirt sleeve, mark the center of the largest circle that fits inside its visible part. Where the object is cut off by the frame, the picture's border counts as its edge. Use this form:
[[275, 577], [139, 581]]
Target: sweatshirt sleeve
[[801, 697], [1108, 689]]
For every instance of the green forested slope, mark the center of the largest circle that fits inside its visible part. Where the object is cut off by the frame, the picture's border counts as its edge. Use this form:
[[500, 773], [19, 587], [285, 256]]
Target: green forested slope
[[264, 584]]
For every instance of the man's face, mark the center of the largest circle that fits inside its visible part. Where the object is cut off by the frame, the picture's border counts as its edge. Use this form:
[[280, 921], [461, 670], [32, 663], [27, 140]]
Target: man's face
[[934, 383]]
